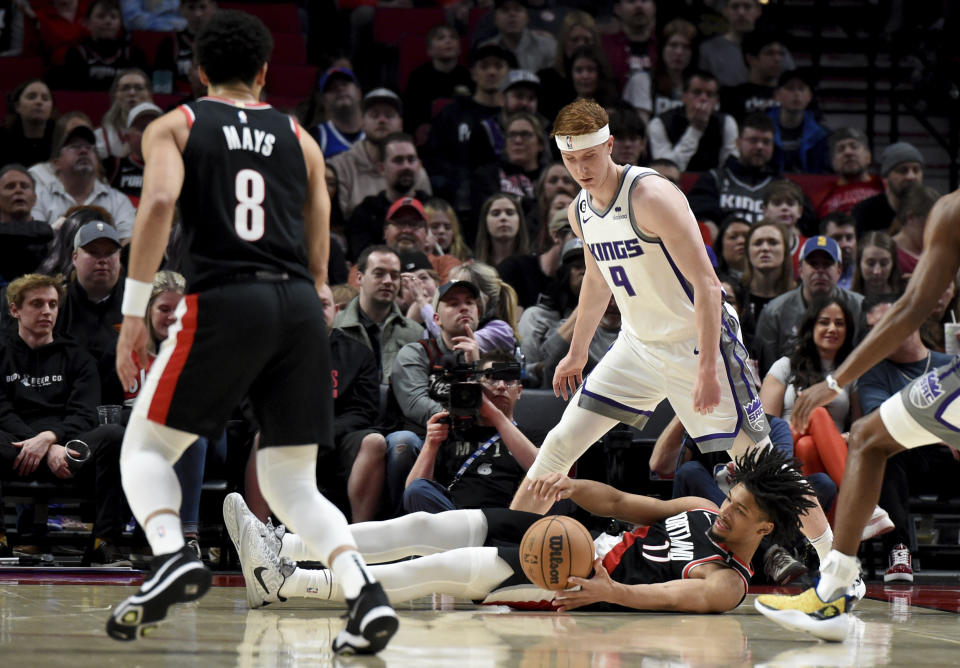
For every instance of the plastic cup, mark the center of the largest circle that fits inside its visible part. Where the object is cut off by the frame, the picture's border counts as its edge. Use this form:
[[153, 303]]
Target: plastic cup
[[109, 413], [77, 453], [950, 344]]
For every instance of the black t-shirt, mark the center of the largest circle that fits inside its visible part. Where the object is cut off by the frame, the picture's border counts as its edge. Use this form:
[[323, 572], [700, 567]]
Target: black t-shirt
[[873, 213], [790, 145], [427, 84], [523, 274], [491, 479], [744, 99]]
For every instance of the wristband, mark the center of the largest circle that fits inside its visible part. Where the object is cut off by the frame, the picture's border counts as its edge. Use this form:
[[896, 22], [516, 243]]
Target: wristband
[[832, 383], [136, 295]]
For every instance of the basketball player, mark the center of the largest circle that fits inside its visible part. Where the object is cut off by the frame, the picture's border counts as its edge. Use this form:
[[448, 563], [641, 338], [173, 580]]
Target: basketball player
[[644, 246], [925, 412], [255, 216], [687, 556]]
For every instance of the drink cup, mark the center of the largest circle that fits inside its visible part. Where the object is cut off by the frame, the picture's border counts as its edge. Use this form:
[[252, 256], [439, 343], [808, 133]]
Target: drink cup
[[950, 344], [77, 453]]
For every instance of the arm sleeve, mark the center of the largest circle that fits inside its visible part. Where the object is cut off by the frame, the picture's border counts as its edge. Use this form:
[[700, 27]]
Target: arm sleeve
[[410, 381]]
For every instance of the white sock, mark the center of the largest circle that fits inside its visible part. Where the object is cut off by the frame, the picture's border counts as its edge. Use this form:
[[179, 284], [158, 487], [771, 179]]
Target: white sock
[[311, 584], [822, 544], [291, 546], [164, 533], [837, 572], [350, 573]]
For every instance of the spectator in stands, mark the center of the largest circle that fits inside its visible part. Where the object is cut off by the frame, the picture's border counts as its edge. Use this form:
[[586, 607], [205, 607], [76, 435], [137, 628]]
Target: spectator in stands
[[372, 317], [130, 88], [764, 52], [448, 475], [906, 473], [44, 173], [731, 248], [945, 310], [358, 169], [532, 275], [579, 29], [497, 325], [175, 54], [49, 397], [664, 86], [850, 159], [723, 55], [418, 283], [27, 135], [94, 63], [399, 169], [448, 147], [501, 232], [843, 229], [341, 102], [516, 173], [534, 49], [23, 241], [17, 14], [61, 26], [444, 226], [405, 230], [521, 90], [901, 165], [915, 201], [590, 75], [769, 273], [630, 146], [669, 170], [360, 449], [737, 185], [554, 180], [441, 78], [777, 326], [159, 15], [783, 204], [128, 171], [77, 183], [695, 136], [634, 47], [802, 143], [877, 270]]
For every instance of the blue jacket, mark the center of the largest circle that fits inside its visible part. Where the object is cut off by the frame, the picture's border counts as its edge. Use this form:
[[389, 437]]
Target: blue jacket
[[814, 145]]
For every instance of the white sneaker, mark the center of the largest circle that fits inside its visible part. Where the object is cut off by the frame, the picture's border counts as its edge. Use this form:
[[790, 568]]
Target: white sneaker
[[857, 590], [263, 571], [879, 524]]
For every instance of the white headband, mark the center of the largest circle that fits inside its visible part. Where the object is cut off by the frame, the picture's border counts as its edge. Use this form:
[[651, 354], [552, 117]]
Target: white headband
[[578, 142]]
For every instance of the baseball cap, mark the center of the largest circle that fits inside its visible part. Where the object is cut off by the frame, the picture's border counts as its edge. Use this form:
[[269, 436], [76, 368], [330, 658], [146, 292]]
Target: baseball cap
[[413, 261], [84, 132], [848, 133], [898, 153], [447, 287], [333, 72], [142, 108], [95, 229], [558, 221], [406, 204], [492, 51], [520, 78], [572, 250], [382, 96], [820, 243], [804, 74]]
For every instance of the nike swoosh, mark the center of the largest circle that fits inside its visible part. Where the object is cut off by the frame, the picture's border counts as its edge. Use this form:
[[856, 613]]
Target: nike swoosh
[[584, 220], [696, 351], [256, 573]]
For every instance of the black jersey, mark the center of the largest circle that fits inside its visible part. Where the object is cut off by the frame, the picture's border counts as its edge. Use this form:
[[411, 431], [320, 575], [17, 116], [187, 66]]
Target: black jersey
[[244, 190], [669, 550]]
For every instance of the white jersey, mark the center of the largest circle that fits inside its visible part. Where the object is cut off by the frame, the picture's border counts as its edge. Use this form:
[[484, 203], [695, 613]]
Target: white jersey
[[655, 300]]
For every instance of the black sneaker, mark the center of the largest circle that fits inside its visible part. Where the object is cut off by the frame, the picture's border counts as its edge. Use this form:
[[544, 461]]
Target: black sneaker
[[780, 566], [177, 577], [371, 622]]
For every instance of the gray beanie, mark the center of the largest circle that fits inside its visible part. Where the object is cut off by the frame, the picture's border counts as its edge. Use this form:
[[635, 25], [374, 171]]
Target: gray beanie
[[897, 153]]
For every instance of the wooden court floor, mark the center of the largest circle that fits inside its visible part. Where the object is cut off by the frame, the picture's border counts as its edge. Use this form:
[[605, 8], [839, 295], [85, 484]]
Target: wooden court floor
[[58, 619]]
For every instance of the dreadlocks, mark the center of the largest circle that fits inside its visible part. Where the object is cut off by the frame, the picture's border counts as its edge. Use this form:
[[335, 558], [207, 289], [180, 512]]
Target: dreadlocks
[[780, 490]]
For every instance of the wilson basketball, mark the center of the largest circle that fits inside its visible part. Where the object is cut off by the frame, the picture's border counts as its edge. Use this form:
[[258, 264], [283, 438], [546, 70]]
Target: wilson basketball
[[555, 548]]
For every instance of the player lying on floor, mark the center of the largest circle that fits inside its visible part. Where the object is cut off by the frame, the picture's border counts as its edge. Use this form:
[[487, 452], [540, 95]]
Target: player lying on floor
[[687, 556]]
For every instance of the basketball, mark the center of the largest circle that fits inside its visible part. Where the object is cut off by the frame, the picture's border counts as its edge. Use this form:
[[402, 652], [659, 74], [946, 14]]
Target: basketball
[[555, 548]]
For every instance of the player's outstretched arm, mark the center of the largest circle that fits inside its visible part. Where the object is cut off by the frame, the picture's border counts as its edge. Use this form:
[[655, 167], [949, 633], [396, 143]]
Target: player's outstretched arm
[[606, 501], [936, 268], [316, 210], [721, 590]]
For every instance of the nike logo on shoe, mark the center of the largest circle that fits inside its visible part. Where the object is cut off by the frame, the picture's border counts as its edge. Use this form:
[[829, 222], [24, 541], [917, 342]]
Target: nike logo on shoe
[[257, 574]]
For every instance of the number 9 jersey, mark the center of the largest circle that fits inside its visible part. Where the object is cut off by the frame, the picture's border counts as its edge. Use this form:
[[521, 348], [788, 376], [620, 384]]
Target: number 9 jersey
[[243, 195], [655, 300]]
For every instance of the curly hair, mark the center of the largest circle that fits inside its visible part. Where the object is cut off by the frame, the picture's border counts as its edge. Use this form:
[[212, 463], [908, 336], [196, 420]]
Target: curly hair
[[805, 364], [778, 487], [233, 46]]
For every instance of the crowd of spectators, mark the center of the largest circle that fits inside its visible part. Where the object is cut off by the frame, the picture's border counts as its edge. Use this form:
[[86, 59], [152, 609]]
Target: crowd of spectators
[[451, 240]]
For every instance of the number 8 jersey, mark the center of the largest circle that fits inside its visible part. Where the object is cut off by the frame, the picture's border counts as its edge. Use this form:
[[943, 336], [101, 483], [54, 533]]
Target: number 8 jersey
[[244, 190], [655, 300]]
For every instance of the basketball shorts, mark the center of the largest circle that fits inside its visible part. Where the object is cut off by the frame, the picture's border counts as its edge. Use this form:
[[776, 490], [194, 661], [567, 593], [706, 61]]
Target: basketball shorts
[[927, 410], [262, 340], [635, 376]]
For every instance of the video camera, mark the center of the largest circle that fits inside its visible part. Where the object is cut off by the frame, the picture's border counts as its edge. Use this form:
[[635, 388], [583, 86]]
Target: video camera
[[465, 395]]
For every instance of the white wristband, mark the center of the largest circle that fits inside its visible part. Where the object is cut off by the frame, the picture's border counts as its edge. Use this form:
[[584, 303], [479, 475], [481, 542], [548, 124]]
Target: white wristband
[[833, 384], [136, 295]]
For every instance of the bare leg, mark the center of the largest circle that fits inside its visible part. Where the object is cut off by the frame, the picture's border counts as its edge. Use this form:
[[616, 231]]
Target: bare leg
[[365, 484]]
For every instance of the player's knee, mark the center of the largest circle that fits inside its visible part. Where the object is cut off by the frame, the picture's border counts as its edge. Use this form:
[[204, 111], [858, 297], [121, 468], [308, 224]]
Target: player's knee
[[869, 437]]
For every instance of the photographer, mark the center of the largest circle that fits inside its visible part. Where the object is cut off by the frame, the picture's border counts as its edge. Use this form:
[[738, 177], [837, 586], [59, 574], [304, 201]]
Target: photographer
[[473, 456]]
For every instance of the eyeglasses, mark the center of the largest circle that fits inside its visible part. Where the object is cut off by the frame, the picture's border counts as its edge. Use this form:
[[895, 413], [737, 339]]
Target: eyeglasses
[[486, 381], [520, 134]]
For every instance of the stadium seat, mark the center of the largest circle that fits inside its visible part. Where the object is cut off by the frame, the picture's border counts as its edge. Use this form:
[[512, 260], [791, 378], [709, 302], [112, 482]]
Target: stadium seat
[[291, 80], [392, 25], [14, 71], [93, 104], [280, 18], [148, 41], [288, 49]]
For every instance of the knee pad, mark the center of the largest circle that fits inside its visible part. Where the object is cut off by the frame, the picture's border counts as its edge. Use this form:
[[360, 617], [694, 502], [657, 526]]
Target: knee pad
[[143, 435]]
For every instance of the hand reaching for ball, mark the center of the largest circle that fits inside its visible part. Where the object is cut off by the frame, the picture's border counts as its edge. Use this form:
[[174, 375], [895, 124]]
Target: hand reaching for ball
[[598, 589]]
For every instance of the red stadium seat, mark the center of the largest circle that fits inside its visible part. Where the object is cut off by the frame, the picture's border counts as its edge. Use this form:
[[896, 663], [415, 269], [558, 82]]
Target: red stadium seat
[[94, 105], [148, 41], [291, 80], [14, 71], [288, 49], [413, 54], [278, 18], [392, 25]]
